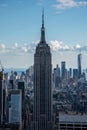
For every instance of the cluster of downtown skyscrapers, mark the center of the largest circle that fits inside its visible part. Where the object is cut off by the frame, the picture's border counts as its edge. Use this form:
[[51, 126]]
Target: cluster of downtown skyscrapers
[[64, 73], [16, 111]]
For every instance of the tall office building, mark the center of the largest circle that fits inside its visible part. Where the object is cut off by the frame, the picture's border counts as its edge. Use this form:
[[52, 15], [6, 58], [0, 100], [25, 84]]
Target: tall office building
[[21, 86], [2, 99], [42, 115], [79, 65], [57, 71], [56, 76], [63, 69], [15, 111], [70, 72], [75, 74]]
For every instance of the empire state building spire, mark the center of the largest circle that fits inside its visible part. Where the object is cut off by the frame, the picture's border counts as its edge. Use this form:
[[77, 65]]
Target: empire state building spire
[[42, 29]]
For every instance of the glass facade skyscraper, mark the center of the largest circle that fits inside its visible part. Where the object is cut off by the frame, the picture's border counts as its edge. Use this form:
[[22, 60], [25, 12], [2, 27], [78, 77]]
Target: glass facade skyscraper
[[79, 65]]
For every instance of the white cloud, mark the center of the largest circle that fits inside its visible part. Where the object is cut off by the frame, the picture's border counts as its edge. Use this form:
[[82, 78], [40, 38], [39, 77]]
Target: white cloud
[[64, 4], [77, 46], [19, 56], [16, 45], [24, 49], [2, 46], [58, 45], [55, 46], [35, 42]]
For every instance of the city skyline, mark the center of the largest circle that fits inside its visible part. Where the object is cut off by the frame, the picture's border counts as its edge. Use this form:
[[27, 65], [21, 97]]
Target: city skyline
[[65, 22]]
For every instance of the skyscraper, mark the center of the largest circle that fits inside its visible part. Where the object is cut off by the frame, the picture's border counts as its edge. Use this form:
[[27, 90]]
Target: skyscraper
[[15, 110], [56, 76], [75, 74], [79, 65], [21, 86], [42, 115], [2, 98], [63, 69]]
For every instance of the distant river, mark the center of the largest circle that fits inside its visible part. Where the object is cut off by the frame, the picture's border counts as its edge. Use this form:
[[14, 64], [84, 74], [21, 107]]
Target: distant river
[[18, 70]]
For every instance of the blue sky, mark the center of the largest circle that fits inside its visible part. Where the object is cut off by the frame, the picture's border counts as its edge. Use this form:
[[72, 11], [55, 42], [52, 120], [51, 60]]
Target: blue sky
[[66, 31]]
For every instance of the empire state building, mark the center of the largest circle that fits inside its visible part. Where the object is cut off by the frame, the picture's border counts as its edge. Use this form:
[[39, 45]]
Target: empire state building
[[42, 116]]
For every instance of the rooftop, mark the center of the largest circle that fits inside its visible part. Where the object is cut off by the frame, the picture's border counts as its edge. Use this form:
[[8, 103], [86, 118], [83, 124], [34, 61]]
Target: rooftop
[[72, 118]]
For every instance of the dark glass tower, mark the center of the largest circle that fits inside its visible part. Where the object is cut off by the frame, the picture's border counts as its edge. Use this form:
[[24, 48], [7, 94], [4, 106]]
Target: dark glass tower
[[79, 65], [63, 69], [42, 84]]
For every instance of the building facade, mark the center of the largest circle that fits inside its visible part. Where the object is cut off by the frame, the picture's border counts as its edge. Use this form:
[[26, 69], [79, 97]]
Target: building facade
[[75, 74], [56, 76], [63, 69], [79, 65], [2, 99], [15, 110], [42, 116], [72, 122]]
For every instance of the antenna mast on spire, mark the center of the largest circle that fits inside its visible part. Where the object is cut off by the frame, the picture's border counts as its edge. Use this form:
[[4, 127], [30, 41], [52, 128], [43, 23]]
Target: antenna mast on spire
[[43, 17], [42, 29]]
